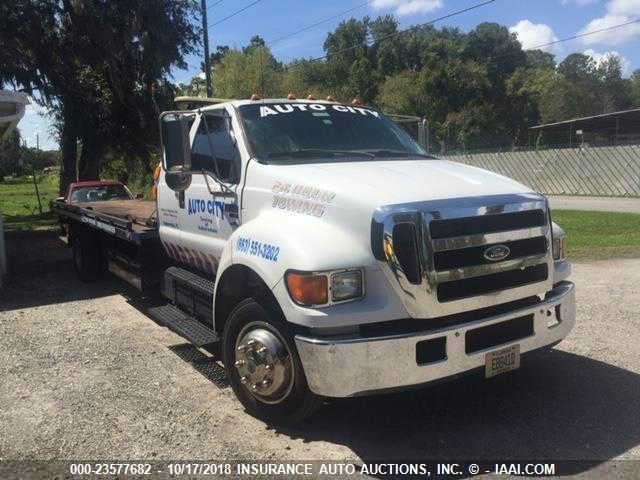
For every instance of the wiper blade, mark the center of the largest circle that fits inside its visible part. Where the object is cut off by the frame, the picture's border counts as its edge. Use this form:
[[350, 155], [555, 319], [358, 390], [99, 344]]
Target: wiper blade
[[318, 152], [396, 153]]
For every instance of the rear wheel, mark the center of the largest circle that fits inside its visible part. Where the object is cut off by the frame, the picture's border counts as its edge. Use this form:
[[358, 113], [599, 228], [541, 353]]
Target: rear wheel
[[88, 260], [263, 366]]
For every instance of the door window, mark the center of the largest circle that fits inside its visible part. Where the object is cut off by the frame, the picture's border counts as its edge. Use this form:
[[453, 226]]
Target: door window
[[214, 149]]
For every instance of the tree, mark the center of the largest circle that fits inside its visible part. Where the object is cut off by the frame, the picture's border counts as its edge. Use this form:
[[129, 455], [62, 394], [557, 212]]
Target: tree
[[388, 50], [242, 73], [343, 47], [634, 88], [101, 67], [197, 87], [400, 94], [304, 77], [9, 149], [35, 159], [498, 49], [256, 42], [477, 89], [614, 91], [215, 57], [579, 67], [532, 94], [539, 59]]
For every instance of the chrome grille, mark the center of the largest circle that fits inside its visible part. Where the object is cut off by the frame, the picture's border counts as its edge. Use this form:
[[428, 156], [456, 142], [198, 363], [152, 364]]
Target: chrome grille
[[470, 256], [469, 287], [455, 242]]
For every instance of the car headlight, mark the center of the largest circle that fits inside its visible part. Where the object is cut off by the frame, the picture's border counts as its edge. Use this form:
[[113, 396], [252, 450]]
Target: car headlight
[[346, 285], [324, 288], [559, 242]]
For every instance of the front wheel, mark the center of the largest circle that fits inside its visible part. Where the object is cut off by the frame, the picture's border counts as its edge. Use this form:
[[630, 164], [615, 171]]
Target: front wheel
[[263, 366]]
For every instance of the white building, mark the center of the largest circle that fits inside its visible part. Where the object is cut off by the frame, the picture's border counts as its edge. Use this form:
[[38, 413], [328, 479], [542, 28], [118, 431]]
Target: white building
[[12, 105]]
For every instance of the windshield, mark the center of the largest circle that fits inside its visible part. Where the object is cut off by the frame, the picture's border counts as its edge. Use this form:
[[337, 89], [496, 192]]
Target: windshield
[[99, 193], [294, 132]]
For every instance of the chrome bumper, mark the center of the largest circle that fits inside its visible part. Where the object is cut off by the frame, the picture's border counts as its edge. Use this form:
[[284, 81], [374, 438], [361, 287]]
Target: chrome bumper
[[344, 368]]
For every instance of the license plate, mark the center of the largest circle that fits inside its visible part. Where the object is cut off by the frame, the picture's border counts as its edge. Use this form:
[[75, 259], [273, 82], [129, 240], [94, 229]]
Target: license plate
[[501, 361]]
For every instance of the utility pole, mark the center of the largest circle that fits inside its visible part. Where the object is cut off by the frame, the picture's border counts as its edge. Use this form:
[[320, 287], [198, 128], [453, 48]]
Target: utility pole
[[205, 34], [37, 141]]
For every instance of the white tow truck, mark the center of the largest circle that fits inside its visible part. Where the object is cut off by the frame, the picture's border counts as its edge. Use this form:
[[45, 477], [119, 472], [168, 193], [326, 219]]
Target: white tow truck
[[322, 253]]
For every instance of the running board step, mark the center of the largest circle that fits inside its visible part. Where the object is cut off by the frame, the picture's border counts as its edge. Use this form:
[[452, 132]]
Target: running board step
[[184, 325], [200, 284]]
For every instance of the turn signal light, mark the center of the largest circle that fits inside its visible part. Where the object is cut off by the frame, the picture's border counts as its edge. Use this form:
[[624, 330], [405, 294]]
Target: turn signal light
[[311, 96], [156, 176], [255, 96], [307, 288]]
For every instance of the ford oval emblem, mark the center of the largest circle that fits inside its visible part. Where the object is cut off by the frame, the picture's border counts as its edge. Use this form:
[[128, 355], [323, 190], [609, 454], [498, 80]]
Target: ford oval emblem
[[495, 253]]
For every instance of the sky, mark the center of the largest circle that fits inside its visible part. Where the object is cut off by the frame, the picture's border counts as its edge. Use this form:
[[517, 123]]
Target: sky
[[536, 22]]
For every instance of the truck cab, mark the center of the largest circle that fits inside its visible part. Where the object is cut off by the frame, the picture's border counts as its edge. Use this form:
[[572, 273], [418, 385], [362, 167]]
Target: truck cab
[[328, 255]]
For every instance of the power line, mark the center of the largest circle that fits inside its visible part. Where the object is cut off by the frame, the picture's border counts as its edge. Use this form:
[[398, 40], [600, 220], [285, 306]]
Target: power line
[[214, 4], [430, 22], [224, 19], [585, 34], [567, 39], [320, 22]]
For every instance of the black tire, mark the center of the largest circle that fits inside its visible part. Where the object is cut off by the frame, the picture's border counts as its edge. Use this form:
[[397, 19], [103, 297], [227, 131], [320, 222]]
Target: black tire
[[299, 402], [88, 260]]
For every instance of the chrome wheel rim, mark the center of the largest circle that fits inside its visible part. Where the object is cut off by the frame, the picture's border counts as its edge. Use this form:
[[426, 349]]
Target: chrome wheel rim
[[264, 363]]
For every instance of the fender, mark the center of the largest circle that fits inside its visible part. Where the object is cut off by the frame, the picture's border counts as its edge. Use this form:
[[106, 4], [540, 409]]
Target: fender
[[274, 242]]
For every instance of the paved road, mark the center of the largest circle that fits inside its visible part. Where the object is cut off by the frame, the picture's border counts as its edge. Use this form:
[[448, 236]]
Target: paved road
[[600, 204], [87, 376]]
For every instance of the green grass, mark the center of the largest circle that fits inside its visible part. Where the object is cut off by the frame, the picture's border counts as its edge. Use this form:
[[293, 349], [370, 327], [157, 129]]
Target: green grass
[[599, 235], [19, 204]]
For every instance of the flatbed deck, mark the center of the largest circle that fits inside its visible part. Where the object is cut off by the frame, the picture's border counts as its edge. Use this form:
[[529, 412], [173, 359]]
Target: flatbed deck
[[133, 220]]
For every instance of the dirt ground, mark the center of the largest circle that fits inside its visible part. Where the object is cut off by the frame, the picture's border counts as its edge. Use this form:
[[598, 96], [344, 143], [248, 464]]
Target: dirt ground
[[86, 375]]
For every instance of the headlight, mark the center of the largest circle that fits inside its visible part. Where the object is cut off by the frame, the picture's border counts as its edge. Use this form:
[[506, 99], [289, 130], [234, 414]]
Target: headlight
[[346, 285], [320, 289], [559, 242]]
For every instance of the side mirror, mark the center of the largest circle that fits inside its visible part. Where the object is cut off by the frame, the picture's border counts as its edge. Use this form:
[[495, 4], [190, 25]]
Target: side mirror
[[139, 196], [176, 148]]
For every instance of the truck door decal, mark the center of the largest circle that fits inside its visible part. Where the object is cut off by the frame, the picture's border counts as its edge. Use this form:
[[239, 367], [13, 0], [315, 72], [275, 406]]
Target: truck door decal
[[302, 199]]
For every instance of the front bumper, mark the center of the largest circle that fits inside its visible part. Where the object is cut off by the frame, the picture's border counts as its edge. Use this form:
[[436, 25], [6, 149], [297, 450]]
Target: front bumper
[[349, 367]]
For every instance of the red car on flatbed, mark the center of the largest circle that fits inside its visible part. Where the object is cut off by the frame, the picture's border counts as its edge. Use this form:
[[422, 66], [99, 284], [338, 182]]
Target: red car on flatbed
[[95, 191], [83, 194]]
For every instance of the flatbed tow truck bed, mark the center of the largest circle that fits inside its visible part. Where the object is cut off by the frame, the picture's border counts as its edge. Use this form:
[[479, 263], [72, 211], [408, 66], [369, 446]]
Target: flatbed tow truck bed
[[122, 233], [131, 220]]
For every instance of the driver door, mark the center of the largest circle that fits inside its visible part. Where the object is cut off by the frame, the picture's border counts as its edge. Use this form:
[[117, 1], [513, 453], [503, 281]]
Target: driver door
[[202, 217]]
